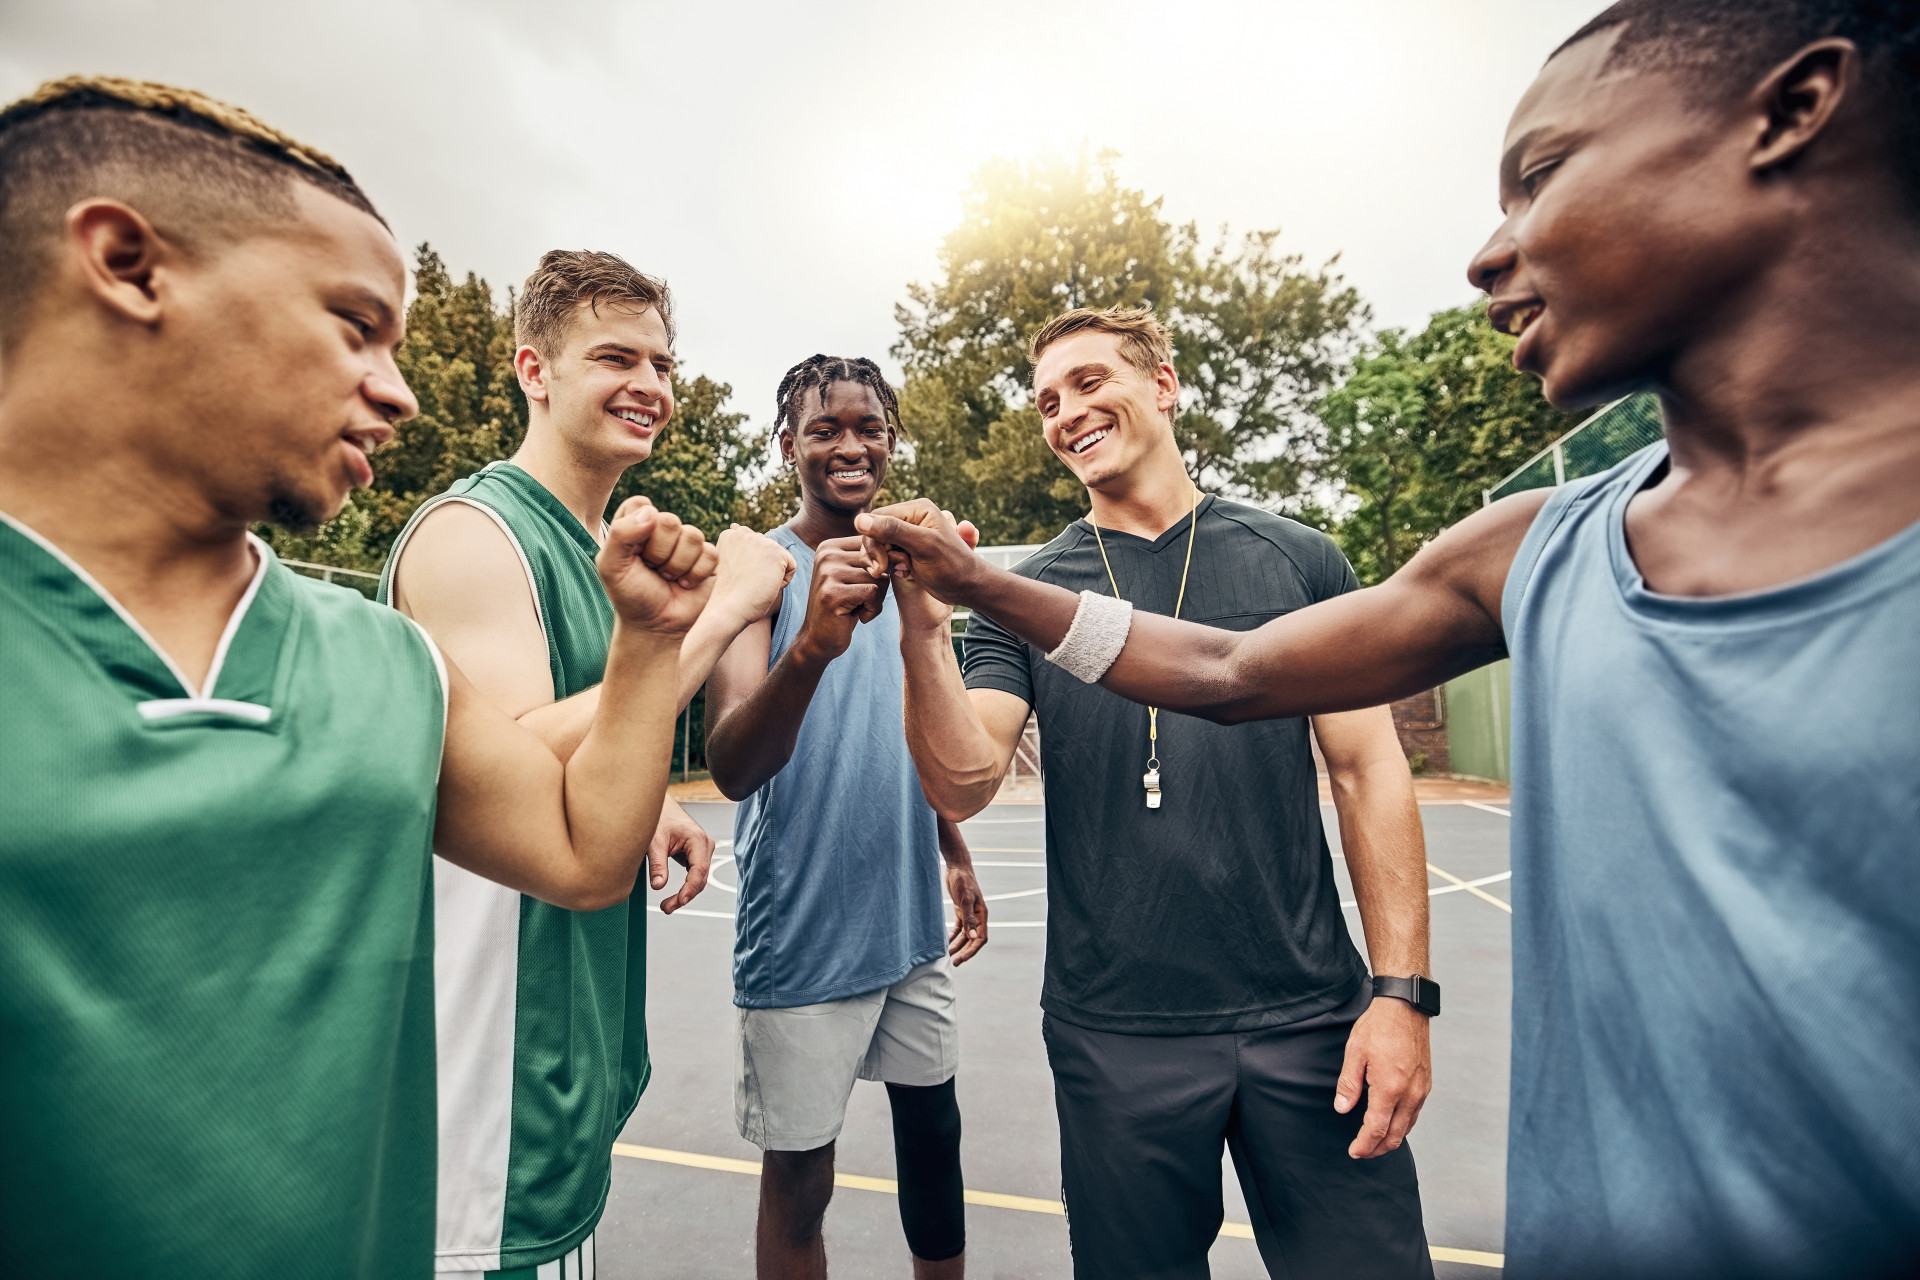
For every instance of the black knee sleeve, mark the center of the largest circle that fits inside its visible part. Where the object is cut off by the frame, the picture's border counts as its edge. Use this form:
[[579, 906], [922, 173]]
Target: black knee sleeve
[[926, 1154]]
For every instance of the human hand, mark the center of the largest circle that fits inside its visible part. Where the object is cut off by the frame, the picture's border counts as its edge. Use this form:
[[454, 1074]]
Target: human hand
[[917, 539], [657, 571], [1387, 1050], [842, 594], [969, 913], [754, 570], [920, 610], [681, 839]]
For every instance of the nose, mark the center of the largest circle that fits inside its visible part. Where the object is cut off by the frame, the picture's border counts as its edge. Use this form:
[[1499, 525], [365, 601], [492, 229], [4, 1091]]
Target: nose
[[389, 394], [1496, 257]]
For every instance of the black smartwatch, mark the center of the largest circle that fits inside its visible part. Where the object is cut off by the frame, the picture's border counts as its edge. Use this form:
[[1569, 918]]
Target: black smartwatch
[[1422, 993]]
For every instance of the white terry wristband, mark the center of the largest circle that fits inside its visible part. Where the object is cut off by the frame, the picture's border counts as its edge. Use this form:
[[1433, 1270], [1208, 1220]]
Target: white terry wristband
[[1096, 637]]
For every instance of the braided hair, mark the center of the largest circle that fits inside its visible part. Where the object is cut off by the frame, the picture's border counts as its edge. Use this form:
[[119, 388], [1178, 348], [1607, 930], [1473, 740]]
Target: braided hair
[[820, 372]]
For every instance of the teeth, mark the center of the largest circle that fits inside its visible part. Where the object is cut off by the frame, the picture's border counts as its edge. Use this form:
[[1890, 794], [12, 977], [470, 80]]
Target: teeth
[[1517, 322], [847, 475], [1088, 441], [634, 415]]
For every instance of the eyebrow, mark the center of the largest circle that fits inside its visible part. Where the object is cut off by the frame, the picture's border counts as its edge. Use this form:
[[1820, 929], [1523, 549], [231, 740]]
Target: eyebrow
[[865, 418], [373, 302], [1510, 161], [1074, 374], [621, 348]]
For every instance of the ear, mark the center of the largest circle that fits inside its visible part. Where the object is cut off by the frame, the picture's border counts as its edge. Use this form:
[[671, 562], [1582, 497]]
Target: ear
[[532, 372], [1800, 97], [786, 446], [119, 253], [1166, 389]]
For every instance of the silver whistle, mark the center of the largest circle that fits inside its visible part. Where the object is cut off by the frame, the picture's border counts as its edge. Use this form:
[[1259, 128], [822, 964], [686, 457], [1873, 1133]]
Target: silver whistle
[[1151, 781]]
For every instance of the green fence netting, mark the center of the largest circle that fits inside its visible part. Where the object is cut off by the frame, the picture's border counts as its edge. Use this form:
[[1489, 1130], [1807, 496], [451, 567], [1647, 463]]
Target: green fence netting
[[1617, 432]]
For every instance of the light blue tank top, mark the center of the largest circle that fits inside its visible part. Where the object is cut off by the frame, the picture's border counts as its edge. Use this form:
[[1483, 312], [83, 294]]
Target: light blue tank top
[[1716, 929], [838, 854]]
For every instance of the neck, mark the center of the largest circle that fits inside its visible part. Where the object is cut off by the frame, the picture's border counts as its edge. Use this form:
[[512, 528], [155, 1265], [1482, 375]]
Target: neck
[[81, 481], [1149, 498], [1820, 351], [819, 521], [583, 485]]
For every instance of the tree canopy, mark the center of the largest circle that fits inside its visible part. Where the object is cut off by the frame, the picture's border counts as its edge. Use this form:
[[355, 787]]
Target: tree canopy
[[1421, 426], [1257, 337]]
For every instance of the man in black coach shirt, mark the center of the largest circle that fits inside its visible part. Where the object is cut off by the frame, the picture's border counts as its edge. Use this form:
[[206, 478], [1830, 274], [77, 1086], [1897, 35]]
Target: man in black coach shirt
[[1201, 987]]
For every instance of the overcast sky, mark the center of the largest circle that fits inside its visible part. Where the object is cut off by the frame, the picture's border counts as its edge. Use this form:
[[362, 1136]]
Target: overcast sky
[[790, 167]]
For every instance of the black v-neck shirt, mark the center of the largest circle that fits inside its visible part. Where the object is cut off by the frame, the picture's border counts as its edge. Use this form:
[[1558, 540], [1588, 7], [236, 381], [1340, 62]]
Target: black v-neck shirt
[[1218, 911]]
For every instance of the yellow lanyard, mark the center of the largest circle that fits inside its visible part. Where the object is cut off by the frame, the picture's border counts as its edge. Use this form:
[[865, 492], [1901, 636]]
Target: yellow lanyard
[[1151, 779]]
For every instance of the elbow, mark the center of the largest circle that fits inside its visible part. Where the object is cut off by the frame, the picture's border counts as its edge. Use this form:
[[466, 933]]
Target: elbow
[[591, 896], [957, 797]]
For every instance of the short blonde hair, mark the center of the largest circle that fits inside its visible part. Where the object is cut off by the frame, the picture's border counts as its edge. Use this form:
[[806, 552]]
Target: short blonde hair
[[1144, 341]]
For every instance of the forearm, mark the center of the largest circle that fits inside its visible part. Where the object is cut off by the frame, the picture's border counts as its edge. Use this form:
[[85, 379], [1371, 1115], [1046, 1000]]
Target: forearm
[[711, 634], [959, 764], [755, 740], [953, 846], [617, 778], [1386, 857]]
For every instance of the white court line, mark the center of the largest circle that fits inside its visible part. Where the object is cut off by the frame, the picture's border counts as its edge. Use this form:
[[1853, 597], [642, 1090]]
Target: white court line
[[1002, 822], [1002, 897], [1486, 808], [1473, 888], [1011, 864], [1457, 885]]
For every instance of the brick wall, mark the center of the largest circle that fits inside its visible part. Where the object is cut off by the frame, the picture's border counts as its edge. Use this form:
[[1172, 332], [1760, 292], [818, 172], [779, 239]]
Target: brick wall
[[1421, 724]]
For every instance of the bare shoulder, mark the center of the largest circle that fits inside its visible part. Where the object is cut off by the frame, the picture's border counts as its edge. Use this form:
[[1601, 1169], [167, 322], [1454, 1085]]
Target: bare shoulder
[[458, 557], [1474, 556]]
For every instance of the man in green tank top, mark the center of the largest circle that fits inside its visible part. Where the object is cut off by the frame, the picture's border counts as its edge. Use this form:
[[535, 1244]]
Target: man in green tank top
[[534, 1000], [222, 782]]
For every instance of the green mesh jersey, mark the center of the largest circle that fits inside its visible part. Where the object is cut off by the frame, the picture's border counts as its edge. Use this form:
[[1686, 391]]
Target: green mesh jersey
[[542, 1011], [216, 1029]]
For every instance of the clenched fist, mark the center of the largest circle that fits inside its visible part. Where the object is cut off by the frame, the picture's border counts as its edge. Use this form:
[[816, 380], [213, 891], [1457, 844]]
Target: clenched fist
[[657, 571], [754, 570]]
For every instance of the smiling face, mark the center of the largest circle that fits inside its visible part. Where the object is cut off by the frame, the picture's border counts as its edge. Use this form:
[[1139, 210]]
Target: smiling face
[[283, 378], [1100, 414], [609, 389], [1634, 225], [841, 446]]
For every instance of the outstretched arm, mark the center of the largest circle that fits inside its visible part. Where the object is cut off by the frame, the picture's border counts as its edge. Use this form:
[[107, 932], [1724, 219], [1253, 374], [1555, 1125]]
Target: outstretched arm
[[576, 833], [753, 714], [1439, 616]]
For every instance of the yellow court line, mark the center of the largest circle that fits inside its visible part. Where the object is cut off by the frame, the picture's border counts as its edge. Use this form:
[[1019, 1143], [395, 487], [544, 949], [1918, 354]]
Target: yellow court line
[[1473, 889], [990, 1199]]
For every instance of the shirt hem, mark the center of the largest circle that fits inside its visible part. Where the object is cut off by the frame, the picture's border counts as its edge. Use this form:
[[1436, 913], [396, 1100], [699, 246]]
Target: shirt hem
[[838, 991], [531, 1255], [1207, 1024]]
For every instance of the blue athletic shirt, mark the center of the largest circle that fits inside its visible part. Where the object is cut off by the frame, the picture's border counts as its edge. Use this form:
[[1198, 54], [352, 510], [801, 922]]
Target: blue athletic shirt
[[838, 853], [1716, 927]]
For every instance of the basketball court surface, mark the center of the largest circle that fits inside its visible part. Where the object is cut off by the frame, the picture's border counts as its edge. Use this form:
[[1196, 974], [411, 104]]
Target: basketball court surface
[[684, 1182]]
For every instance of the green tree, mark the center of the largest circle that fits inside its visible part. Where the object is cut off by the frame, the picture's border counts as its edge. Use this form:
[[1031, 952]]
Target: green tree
[[1420, 427], [1257, 337]]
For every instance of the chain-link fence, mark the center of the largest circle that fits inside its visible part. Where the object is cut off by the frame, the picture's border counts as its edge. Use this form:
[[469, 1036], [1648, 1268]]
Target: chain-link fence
[[1617, 432]]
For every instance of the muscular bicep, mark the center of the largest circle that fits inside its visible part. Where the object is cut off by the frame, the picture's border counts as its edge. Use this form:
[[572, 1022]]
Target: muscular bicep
[[1436, 618], [460, 577], [501, 811]]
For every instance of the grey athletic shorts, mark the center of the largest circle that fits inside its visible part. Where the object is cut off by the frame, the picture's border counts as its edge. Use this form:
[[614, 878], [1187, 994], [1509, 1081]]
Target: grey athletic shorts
[[794, 1068]]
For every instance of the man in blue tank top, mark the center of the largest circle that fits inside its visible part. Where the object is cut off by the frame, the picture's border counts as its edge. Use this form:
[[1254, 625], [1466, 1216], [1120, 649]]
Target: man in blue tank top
[[1715, 679], [841, 969]]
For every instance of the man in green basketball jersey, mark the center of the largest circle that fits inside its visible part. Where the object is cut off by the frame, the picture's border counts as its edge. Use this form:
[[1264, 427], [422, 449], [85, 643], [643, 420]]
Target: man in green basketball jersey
[[222, 782], [533, 1000]]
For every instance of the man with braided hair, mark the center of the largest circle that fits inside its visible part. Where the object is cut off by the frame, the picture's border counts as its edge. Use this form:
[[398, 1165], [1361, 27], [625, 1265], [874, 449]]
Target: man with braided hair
[[840, 969], [223, 781]]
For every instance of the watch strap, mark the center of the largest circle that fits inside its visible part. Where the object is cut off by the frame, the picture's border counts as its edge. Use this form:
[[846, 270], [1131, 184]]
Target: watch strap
[[1421, 992]]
